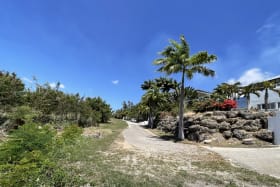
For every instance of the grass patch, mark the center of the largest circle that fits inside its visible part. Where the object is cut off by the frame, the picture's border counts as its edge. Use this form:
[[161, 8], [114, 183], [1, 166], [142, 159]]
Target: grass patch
[[241, 175]]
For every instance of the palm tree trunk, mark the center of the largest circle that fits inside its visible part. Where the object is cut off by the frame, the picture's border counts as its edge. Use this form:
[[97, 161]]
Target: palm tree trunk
[[266, 99], [150, 120], [248, 102], [181, 135]]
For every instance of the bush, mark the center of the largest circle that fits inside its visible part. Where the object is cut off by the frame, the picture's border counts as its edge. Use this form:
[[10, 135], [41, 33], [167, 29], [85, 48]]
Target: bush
[[27, 158], [210, 105], [71, 133]]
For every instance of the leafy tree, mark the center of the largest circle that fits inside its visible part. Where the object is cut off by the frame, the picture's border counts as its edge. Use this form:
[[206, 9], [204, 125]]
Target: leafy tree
[[176, 59], [98, 105], [11, 90]]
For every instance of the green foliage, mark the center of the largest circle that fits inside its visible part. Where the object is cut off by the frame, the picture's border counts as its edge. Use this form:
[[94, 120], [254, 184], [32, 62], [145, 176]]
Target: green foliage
[[71, 133], [11, 90], [27, 157]]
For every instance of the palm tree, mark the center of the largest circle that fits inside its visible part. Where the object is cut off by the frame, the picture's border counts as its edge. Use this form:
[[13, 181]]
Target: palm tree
[[247, 90], [148, 84], [228, 90], [166, 84], [153, 98], [176, 59], [265, 86]]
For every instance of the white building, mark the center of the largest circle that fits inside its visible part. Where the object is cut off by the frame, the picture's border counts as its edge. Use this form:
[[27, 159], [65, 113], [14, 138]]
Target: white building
[[258, 102]]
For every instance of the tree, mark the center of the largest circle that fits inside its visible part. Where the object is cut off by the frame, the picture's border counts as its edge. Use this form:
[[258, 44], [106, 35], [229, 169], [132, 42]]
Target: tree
[[265, 86], [247, 90], [11, 90], [97, 104], [228, 90], [176, 58], [153, 98]]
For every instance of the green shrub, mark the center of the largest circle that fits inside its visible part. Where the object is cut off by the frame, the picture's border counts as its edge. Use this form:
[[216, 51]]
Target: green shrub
[[71, 133], [27, 158]]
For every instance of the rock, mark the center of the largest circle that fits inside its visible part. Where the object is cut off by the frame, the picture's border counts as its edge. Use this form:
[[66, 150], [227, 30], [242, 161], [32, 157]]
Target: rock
[[264, 123], [227, 134], [203, 136], [246, 115], [219, 113], [219, 119], [224, 126], [207, 114], [232, 114], [240, 134], [211, 124], [252, 125], [208, 141], [248, 141], [211, 131], [231, 120], [198, 128], [265, 135], [239, 124], [193, 136]]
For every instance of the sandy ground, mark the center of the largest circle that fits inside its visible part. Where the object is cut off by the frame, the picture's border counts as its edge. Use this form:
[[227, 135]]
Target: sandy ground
[[262, 160]]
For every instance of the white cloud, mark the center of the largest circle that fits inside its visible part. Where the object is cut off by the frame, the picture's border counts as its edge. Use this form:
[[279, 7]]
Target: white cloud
[[251, 76], [53, 85], [25, 79], [115, 82]]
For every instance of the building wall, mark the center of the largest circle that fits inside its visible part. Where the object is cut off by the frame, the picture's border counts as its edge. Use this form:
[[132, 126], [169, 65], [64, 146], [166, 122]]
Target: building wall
[[258, 102]]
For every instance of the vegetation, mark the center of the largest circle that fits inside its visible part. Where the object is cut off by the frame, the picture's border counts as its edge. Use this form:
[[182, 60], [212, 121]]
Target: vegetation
[[177, 59], [33, 152]]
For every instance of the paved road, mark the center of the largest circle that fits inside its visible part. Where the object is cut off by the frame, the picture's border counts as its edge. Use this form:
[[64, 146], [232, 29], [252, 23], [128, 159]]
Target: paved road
[[262, 160]]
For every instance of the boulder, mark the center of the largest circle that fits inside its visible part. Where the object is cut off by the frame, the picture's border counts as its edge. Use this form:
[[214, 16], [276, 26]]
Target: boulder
[[247, 115], [265, 135], [231, 120], [252, 125], [198, 128], [239, 124], [211, 124], [219, 119], [207, 114], [211, 131], [219, 113], [240, 134], [248, 141], [227, 134], [232, 114], [224, 126], [208, 141]]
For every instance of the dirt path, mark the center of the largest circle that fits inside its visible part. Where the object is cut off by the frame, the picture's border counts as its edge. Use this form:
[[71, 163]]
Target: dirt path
[[144, 140], [263, 160]]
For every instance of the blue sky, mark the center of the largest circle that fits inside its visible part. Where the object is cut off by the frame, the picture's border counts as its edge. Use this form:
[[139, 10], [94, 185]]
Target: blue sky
[[106, 47]]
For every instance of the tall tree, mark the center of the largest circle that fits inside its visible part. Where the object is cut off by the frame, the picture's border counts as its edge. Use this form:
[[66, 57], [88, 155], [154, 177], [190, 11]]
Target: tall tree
[[176, 58], [153, 98], [246, 91], [229, 91], [265, 86]]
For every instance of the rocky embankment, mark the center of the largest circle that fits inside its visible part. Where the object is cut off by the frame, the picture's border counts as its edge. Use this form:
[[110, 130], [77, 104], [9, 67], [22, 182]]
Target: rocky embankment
[[245, 127]]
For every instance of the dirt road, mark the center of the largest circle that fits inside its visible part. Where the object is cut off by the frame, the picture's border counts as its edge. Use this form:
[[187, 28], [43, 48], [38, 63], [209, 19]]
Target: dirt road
[[262, 160]]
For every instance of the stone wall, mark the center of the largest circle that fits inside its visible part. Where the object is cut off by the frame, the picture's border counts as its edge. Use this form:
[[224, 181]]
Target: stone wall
[[240, 125]]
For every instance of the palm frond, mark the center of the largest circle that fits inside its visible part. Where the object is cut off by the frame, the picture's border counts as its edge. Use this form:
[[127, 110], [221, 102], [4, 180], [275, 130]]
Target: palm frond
[[202, 58]]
